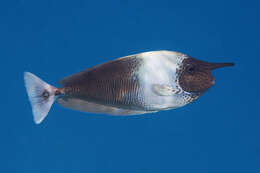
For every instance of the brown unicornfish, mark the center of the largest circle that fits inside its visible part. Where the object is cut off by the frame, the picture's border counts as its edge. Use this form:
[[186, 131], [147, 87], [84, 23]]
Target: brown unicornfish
[[137, 84]]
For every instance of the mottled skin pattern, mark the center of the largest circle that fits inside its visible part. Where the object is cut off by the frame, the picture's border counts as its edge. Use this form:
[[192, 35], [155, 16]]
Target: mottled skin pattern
[[112, 83]]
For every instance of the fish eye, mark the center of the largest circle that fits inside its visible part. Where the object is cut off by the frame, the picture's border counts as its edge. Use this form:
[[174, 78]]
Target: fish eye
[[191, 69]]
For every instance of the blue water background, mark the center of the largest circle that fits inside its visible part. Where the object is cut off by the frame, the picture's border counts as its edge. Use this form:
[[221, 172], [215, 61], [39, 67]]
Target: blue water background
[[220, 132]]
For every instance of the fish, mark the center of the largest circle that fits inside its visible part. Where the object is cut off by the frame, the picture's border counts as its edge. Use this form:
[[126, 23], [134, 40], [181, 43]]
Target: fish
[[142, 83]]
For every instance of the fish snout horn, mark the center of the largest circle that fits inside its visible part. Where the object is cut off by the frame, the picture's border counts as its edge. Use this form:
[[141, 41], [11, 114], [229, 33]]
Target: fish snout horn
[[213, 66]]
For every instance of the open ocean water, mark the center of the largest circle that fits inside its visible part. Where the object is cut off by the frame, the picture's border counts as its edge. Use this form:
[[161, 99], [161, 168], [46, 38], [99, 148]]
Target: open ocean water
[[218, 133]]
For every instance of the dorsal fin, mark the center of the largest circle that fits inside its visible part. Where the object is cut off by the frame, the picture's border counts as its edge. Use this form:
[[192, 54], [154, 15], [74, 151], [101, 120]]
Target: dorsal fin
[[111, 69], [69, 80]]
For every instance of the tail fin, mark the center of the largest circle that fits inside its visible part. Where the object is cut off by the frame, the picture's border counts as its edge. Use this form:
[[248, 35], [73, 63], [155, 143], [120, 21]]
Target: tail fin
[[41, 96]]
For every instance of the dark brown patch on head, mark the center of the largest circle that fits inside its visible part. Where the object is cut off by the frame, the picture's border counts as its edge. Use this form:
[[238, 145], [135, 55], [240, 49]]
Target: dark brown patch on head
[[196, 76]]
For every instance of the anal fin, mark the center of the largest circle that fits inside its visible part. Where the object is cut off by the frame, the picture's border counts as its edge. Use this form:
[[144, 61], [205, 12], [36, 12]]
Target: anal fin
[[85, 106]]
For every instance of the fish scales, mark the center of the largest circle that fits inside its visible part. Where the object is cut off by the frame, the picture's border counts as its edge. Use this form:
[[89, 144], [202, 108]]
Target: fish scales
[[113, 83]]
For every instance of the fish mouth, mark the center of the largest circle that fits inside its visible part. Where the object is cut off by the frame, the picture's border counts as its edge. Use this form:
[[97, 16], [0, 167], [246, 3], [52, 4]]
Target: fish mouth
[[214, 66], [212, 82]]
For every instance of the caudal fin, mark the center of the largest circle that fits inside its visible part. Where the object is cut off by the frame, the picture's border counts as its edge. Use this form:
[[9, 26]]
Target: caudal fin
[[41, 96]]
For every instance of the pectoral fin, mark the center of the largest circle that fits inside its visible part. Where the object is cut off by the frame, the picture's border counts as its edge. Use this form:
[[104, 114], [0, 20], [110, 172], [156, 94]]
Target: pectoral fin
[[165, 90]]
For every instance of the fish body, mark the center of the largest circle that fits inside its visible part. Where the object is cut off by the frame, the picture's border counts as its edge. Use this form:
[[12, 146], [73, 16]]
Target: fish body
[[130, 83], [136, 84]]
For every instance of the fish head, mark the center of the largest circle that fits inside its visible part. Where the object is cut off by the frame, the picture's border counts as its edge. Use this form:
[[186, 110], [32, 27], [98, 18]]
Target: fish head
[[195, 76]]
